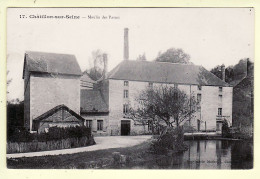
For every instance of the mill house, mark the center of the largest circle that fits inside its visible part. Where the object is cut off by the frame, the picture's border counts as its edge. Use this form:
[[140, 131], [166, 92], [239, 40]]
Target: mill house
[[57, 93]]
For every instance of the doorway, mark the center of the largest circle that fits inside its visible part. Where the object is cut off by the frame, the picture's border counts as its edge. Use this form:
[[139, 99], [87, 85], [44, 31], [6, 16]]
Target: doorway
[[125, 127]]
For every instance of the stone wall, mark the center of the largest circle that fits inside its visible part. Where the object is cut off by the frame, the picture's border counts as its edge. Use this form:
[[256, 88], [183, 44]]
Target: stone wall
[[48, 92], [209, 104], [95, 132]]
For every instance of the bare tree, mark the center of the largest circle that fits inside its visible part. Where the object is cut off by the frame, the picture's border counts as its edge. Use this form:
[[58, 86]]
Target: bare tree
[[141, 57], [96, 63], [165, 105]]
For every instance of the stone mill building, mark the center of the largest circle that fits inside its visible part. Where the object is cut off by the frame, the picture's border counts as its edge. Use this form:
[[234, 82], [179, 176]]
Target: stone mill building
[[57, 93]]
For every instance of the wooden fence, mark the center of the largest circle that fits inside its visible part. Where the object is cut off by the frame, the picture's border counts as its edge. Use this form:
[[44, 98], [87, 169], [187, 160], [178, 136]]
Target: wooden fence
[[22, 147]]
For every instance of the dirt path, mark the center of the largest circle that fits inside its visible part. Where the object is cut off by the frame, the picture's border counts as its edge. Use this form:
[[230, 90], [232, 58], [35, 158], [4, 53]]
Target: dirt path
[[106, 142]]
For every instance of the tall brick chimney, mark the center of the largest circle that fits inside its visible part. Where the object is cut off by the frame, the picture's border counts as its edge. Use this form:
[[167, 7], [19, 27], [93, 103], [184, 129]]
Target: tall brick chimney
[[126, 46], [105, 66], [223, 72]]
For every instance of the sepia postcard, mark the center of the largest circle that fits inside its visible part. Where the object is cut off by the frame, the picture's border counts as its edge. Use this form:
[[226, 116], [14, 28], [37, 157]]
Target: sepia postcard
[[130, 88]]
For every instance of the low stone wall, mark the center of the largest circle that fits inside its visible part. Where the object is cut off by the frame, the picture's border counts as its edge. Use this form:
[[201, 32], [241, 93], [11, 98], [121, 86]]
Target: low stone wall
[[23, 147]]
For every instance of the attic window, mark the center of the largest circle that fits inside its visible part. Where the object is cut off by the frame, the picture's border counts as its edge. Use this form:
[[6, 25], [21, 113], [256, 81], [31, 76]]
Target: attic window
[[126, 83], [150, 85], [175, 86], [199, 87], [220, 89]]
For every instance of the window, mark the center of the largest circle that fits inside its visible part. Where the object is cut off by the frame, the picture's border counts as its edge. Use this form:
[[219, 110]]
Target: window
[[89, 123], [175, 86], [199, 87], [220, 89], [126, 83], [125, 108], [220, 98], [125, 93], [150, 85], [198, 98], [99, 125], [219, 111]]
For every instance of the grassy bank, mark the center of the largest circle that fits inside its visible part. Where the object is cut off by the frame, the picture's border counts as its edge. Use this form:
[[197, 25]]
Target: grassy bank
[[93, 159]]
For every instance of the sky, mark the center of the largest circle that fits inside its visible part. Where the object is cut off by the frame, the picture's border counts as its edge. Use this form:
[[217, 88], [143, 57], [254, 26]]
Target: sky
[[211, 36]]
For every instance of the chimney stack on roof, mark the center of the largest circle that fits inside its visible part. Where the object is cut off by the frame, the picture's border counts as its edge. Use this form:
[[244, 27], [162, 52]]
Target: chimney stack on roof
[[223, 72], [105, 66], [126, 46]]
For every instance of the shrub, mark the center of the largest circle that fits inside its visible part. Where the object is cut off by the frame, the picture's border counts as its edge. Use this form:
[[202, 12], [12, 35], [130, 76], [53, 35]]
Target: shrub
[[173, 139], [226, 130], [20, 135], [55, 133]]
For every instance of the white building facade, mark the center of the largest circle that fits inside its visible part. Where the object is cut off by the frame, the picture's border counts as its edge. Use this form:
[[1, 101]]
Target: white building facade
[[213, 94]]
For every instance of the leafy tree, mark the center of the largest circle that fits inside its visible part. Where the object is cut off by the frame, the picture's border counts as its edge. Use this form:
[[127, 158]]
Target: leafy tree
[[141, 58], [217, 71], [173, 55], [15, 116], [233, 74]]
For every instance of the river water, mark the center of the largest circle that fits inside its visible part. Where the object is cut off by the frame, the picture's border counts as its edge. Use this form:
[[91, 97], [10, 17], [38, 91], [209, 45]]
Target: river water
[[207, 154]]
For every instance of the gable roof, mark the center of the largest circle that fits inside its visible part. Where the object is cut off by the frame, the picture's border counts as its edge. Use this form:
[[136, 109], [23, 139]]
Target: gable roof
[[54, 110], [92, 101], [163, 72], [51, 63], [86, 78]]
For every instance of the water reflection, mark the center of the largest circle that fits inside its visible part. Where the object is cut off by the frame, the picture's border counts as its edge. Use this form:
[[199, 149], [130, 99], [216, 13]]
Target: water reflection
[[208, 154]]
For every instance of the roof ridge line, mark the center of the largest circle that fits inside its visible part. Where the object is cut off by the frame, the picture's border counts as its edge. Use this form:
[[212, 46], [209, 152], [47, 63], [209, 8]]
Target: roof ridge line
[[191, 64], [28, 51]]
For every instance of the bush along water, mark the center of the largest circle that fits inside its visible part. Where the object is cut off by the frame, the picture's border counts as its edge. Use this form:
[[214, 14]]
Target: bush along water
[[226, 133], [172, 140]]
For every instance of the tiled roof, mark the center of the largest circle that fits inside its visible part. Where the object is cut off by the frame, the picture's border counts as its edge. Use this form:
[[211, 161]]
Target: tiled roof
[[86, 78], [52, 63], [163, 72], [92, 101]]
